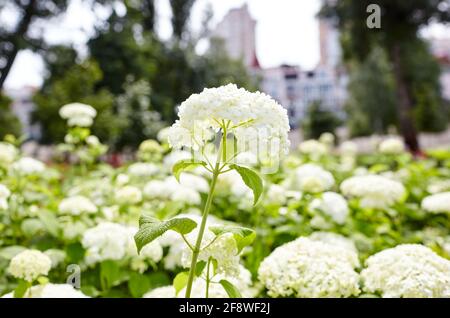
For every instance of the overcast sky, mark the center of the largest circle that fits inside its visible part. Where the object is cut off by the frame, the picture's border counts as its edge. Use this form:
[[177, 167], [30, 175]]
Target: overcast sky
[[287, 32]]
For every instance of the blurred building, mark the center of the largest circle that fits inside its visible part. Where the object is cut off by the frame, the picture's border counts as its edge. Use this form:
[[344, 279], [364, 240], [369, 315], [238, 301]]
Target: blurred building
[[23, 107], [292, 87]]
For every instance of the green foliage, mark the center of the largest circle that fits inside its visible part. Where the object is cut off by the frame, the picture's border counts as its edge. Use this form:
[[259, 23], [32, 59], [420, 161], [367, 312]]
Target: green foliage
[[9, 123], [77, 84], [183, 165], [251, 180], [243, 236], [231, 290], [150, 228], [318, 121], [180, 281]]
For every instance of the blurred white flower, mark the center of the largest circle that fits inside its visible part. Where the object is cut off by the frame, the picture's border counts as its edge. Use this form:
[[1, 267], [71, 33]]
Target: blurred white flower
[[437, 203], [4, 194], [78, 114], [141, 169], [51, 291], [333, 205], [8, 153], [311, 178], [76, 205], [313, 148], [373, 191], [128, 195], [392, 146], [27, 166]]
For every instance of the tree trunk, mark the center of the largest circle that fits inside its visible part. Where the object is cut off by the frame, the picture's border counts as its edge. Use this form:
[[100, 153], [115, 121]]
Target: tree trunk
[[22, 29], [405, 107]]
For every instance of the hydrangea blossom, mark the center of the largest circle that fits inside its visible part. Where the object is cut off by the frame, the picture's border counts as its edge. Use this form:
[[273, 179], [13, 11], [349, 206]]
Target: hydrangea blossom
[[170, 189], [437, 203], [76, 205], [348, 148], [313, 148], [29, 265], [259, 123], [407, 270], [28, 166], [332, 204], [334, 239], [391, 146], [141, 169], [7, 153], [78, 114], [308, 268], [312, 178], [373, 191], [128, 195], [4, 194]]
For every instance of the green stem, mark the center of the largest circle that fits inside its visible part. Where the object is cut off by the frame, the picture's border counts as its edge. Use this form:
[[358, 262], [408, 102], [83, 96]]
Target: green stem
[[207, 277], [198, 243]]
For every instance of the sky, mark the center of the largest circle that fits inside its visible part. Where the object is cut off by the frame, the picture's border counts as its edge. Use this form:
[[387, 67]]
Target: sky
[[286, 32]]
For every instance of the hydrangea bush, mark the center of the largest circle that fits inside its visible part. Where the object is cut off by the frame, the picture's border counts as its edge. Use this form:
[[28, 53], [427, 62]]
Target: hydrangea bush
[[217, 207]]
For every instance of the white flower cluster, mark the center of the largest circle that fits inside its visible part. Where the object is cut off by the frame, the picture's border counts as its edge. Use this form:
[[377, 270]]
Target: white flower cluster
[[51, 291], [334, 239], [113, 241], [175, 156], [312, 178], [439, 186], [8, 153], [437, 203], [313, 148], [76, 205], [187, 190], [407, 270], [309, 268], [258, 122], [4, 194], [128, 195], [373, 191], [78, 114], [29, 265], [391, 146], [348, 148], [28, 166], [141, 169], [332, 204]]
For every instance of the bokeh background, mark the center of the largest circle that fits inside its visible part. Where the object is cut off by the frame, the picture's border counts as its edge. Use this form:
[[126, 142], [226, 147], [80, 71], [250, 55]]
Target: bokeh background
[[135, 61]]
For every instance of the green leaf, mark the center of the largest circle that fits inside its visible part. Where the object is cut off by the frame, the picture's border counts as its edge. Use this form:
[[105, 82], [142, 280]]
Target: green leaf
[[50, 222], [199, 268], [150, 228], [180, 281], [251, 180], [185, 164], [138, 284], [21, 288], [11, 251], [109, 274], [242, 235], [231, 290]]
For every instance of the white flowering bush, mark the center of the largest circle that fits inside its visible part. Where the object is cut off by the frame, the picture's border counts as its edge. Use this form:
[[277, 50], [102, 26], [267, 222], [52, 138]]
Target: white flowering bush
[[213, 208]]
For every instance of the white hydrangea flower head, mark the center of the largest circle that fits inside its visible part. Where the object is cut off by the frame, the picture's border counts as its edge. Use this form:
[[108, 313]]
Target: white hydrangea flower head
[[258, 122], [8, 153], [332, 204], [308, 268], [29, 265], [327, 138], [171, 189], [437, 203], [348, 148], [78, 114], [107, 241], [4, 195], [175, 156], [392, 146], [312, 178], [161, 292], [28, 166], [76, 205], [186, 195], [51, 291], [276, 194], [122, 179], [439, 186], [163, 135], [93, 141], [313, 148], [373, 191], [128, 195], [192, 181], [142, 169], [407, 270]]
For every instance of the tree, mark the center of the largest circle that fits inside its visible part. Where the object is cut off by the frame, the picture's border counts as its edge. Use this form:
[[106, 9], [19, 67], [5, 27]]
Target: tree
[[19, 38], [367, 110], [181, 10], [400, 22], [318, 121], [9, 123], [77, 84]]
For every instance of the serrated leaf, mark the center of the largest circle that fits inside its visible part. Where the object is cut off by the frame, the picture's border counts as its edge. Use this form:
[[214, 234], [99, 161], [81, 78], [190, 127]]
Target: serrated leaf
[[242, 235], [150, 228], [180, 281], [251, 180], [185, 164], [231, 290]]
